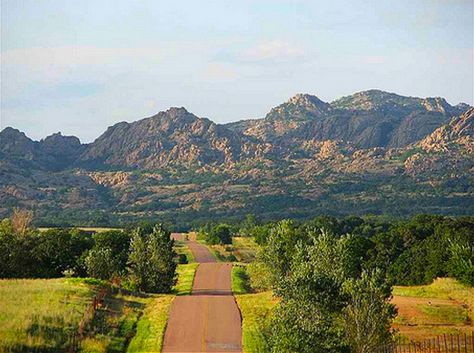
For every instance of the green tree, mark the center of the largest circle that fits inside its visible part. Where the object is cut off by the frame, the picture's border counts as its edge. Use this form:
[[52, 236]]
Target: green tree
[[151, 261], [101, 263], [162, 267], [118, 242], [138, 259], [368, 314], [248, 225]]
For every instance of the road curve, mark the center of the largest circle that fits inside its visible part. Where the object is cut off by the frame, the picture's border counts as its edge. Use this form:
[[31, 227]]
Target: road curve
[[209, 319]]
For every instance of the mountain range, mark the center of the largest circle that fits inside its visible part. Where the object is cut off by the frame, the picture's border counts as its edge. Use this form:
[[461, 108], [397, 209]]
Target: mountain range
[[372, 152]]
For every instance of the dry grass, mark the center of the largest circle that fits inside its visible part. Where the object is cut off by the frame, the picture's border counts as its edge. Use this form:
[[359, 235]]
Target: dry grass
[[245, 249], [445, 306]]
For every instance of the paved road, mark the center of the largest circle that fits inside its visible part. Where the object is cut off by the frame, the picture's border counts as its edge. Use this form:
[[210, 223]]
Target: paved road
[[209, 319]]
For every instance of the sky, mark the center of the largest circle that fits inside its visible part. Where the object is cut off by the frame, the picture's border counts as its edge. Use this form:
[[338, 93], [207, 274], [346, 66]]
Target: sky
[[80, 66]]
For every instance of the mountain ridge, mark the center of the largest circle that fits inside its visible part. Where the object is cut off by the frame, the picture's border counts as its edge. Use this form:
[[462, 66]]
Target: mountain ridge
[[306, 156]]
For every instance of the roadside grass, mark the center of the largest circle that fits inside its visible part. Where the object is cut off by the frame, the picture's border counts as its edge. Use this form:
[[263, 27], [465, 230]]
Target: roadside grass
[[245, 249], [115, 323], [255, 309], [151, 326], [242, 249], [185, 278], [240, 280], [181, 248], [40, 313], [442, 307]]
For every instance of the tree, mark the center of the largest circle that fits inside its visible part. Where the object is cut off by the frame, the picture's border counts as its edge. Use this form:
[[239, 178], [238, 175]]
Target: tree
[[162, 267], [248, 225], [118, 242], [101, 263], [16, 252], [321, 283], [307, 272], [58, 250], [223, 233], [151, 261], [138, 259], [368, 315], [21, 221]]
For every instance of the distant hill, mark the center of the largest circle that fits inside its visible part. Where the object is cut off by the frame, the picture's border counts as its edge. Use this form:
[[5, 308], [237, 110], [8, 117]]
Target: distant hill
[[371, 152]]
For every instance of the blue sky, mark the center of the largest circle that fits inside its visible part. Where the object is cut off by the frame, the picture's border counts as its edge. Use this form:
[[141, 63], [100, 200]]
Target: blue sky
[[80, 66]]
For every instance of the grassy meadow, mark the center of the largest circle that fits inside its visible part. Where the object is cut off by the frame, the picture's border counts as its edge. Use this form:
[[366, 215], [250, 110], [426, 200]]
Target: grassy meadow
[[442, 307], [40, 313]]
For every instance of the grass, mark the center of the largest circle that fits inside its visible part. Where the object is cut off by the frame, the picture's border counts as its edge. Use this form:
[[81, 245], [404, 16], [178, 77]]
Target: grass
[[185, 278], [115, 323], [441, 288], [42, 314], [444, 306], [255, 309], [245, 249], [452, 314], [181, 248], [240, 280], [39, 313], [151, 326]]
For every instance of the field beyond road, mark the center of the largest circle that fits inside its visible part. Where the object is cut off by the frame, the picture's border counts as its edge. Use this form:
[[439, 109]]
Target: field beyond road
[[443, 307]]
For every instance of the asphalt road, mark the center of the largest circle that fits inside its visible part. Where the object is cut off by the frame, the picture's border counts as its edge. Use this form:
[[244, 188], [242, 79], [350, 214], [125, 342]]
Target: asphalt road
[[209, 319]]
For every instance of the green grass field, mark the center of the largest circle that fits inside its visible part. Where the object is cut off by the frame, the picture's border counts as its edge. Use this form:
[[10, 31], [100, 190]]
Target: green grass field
[[240, 280], [444, 306], [43, 313], [151, 326], [40, 313], [255, 309]]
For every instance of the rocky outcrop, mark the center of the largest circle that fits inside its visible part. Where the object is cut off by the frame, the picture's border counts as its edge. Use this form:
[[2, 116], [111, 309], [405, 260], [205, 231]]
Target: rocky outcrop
[[366, 119], [369, 152], [174, 137]]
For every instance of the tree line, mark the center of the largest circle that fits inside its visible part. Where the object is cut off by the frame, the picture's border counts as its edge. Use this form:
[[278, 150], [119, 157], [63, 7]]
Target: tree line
[[141, 258], [410, 251], [333, 277]]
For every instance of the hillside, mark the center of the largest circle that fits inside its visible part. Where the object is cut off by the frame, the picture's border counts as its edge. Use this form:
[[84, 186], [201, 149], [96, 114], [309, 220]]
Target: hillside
[[372, 152]]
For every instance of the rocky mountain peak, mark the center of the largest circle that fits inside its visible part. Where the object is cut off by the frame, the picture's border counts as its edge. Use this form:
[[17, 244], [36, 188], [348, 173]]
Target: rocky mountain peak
[[308, 101], [368, 100], [15, 142], [437, 104], [458, 132], [58, 140], [299, 107]]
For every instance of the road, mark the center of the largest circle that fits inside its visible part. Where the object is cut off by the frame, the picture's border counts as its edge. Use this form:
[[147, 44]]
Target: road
[[208, 320]]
